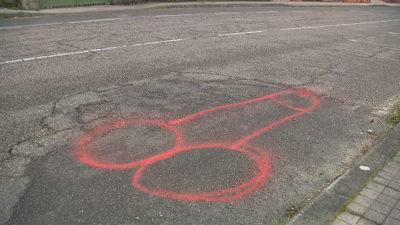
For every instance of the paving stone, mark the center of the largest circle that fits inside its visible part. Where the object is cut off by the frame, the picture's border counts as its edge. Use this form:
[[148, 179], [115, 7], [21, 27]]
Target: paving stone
[[386, 175], [396, 158], [382, 180], [398, 206], [375, 186], [387, 200], [391, 192], [374, 215], [391, 169], [394, 164], [395, 214], [362, 200], [394, 185], [369, 193], [364, 221], [382, 208], [339, 222], [391, 221], [397, 179], [348, 217], [357, 208]]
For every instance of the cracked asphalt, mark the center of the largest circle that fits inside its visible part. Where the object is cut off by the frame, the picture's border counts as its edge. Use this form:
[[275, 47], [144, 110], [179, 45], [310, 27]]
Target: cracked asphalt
[[98, 86]]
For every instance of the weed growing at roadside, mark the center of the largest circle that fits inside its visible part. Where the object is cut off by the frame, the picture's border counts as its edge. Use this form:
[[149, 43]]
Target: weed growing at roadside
[[5, 16], [12, 6], [12, 16], [294, 209], [280, 222], [394, 118], [290, 212]]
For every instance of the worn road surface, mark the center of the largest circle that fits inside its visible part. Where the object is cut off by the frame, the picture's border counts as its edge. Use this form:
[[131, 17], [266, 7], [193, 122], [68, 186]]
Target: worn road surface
[[188, 116]]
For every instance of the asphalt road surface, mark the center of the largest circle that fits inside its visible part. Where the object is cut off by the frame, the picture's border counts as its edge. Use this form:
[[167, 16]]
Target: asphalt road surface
[[188, 116]]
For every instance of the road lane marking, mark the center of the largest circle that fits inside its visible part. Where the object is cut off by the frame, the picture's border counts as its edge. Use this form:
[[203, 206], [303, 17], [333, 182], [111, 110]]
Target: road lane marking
[[88, 51], [33, 25], [115, 47], [338, 25], [99, 20], [249, 32], [125, 18], [173, 40]]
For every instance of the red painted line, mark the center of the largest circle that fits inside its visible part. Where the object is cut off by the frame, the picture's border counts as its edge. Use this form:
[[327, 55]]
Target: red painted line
[[287, 105], [190, 117]]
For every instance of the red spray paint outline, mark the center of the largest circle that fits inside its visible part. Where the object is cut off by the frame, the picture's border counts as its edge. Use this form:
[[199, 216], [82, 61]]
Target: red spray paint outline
[[83, 153]]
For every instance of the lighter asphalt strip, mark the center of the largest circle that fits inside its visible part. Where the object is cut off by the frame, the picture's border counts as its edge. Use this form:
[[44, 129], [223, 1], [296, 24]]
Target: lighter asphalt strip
[[339, 25], [115, 47], [175, 40], [88, 51]]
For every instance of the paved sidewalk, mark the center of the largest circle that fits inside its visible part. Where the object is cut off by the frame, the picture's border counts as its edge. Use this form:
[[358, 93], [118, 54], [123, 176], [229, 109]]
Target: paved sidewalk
[[379, 201], [102, 8], [367, 194]]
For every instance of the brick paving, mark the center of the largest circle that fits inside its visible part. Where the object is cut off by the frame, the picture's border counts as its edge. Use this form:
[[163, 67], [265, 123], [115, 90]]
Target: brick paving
[[379, 201]]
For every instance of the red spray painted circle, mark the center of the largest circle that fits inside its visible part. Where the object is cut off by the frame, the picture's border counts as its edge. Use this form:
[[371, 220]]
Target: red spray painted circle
[[85, 154], [227, 194]]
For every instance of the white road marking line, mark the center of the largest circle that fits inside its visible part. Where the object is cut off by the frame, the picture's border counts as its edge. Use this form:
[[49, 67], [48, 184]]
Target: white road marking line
[[249, 32], [13, 61], [338, 25], [223, 13], [99, 20], [87, 51], [28, 59], [34, 25], [164, 16], [113, 19]]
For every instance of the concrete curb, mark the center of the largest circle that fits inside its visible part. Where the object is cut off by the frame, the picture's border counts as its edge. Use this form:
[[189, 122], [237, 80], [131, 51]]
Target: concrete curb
[[324, 206]]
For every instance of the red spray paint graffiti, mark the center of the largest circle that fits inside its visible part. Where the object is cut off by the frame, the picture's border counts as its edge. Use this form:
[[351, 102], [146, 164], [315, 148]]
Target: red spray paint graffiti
[[86, 155]]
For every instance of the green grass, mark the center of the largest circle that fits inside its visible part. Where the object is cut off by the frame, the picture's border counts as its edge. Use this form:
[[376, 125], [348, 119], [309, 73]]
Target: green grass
[[280, 222], [13, 16], [5, 16], [394, 118], [290, 212], [11, 6], [294, 209]]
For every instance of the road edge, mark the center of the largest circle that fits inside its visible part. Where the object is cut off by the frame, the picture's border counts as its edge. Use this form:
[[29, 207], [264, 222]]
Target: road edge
[[330, 200]]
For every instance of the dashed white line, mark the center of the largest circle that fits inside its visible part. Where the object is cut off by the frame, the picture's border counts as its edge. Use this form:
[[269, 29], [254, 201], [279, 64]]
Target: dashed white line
[[87, 51], [34, 25], [267, 12], [172, 40], [115, 47], [338, 25], [113, 19], [223, 13], [99, 20], [249, 32]]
